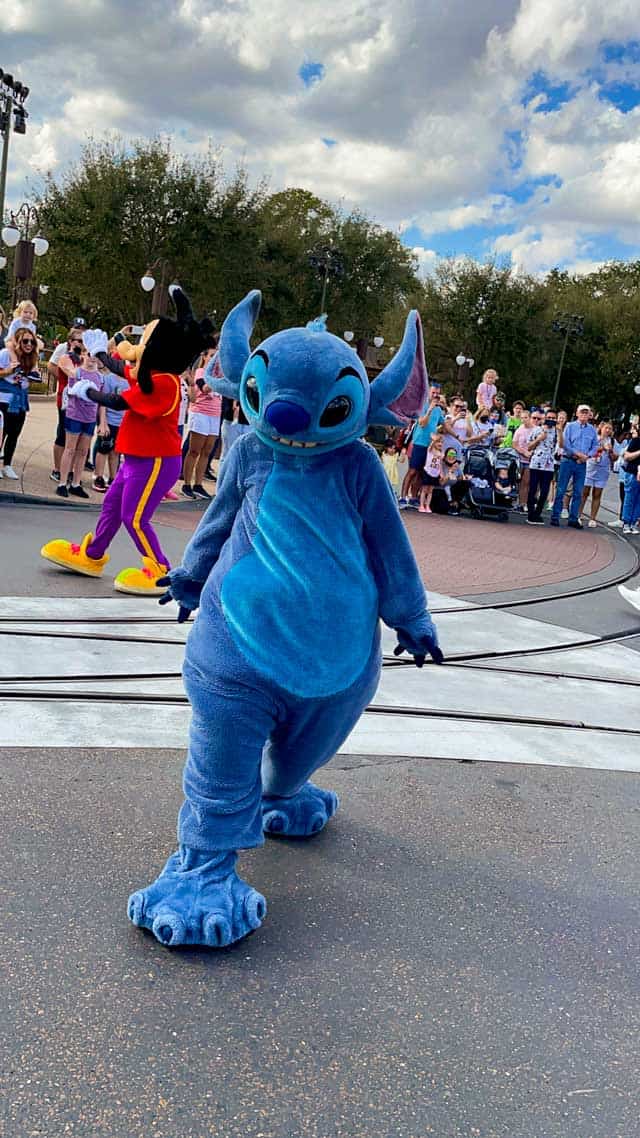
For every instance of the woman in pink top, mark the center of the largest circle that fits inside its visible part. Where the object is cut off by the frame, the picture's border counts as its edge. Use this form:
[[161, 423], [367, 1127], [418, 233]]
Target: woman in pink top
[[204, 428], [521, 440]]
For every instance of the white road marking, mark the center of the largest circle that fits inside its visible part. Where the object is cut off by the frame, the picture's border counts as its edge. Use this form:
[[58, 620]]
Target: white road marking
[[40, 722]]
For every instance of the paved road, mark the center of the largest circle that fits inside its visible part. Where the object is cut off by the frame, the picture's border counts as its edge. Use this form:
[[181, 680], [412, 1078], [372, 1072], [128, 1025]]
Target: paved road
[[456, 955]]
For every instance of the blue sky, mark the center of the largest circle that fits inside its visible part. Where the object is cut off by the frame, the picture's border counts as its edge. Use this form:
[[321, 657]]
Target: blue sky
[[527, 148]]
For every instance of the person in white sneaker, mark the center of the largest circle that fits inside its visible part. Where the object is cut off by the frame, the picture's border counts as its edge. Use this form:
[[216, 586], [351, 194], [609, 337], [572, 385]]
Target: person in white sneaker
[[17, 369]]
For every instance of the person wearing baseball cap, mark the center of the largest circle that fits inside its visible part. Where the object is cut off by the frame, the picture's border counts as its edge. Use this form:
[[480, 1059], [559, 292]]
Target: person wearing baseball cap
[[579, 443]]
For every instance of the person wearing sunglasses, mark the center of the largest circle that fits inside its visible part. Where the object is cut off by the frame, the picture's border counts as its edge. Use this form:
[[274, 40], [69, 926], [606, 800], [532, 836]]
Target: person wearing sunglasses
[[17, 369], [542, 448]]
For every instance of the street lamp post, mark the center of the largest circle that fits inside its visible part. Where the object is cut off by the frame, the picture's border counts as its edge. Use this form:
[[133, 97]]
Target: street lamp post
[[13, 94], [160, 298], [327, 260], [362, 348], [23, 234], [465, 363], [570, 325]]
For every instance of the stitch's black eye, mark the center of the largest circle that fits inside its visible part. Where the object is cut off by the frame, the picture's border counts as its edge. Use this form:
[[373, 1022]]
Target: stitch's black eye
[[336, 411], [253, 395]]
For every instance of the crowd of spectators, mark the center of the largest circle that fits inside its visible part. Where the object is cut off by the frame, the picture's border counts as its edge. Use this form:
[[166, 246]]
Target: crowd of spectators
[[560, 467], [86, 436]]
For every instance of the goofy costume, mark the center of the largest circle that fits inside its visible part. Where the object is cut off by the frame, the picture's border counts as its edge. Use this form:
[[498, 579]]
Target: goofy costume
[[148, 438], [297, 558]]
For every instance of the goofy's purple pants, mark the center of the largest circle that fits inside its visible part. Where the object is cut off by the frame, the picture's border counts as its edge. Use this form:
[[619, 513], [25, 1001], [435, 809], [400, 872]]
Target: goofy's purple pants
[[137, 489]]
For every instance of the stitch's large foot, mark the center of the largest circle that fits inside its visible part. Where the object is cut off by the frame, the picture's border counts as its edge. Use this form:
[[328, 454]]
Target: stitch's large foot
[[306, 813], [198, 901]]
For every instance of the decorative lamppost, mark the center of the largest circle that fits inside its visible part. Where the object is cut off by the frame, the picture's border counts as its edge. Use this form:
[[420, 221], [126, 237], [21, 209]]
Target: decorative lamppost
[[363, 350], [465, 363], [23, 234], [13, 95], [160, 298], [327, 260], [569, 325]]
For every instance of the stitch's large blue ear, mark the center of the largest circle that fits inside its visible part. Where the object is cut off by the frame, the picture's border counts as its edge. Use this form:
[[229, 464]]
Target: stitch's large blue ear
[[235, 347], [399, 392]]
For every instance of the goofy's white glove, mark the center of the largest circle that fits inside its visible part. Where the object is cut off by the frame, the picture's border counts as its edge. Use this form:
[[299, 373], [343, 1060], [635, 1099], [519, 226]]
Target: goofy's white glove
[[79, 389], [95, 340]]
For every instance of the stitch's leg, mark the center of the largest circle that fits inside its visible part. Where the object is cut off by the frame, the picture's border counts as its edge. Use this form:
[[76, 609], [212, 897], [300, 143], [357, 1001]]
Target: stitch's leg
[[199, 898], [291, 805]]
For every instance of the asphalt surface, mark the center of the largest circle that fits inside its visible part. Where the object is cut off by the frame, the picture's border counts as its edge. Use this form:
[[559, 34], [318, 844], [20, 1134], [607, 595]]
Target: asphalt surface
[[456, 955], [24, 529]]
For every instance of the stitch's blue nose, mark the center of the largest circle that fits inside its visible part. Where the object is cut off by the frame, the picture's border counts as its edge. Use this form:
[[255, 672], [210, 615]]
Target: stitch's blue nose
[[287, 418]]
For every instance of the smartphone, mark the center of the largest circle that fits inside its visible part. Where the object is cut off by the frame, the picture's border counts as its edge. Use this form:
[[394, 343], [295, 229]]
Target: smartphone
[[137, 329]]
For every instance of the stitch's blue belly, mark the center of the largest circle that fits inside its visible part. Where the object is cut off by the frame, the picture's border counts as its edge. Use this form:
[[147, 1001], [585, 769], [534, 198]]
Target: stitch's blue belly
[[302, 605]]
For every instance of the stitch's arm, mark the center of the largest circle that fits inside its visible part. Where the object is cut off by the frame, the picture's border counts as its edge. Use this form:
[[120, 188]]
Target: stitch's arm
[[185, 583], [403, 600]]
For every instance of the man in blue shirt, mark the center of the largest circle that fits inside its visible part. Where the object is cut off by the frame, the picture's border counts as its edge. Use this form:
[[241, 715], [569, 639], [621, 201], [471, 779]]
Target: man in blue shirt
[[579, 442], [431, 418]]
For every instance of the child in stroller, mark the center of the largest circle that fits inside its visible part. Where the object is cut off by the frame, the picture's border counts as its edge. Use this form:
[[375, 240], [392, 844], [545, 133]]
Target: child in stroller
[[488, 493]]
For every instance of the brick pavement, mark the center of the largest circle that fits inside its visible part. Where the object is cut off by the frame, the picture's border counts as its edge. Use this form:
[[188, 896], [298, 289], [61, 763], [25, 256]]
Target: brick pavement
[[457, 556], [461, 556]]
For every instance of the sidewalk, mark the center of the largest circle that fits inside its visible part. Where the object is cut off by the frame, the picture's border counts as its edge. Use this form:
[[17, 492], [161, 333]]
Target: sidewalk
[[457, 556]]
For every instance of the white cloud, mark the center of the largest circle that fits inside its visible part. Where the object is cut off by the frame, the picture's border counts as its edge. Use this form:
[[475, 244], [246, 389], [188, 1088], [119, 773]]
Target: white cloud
[[420, 99]]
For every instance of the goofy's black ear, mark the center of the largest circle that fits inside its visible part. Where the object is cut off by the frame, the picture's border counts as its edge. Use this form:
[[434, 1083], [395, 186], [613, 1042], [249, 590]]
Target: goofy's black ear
[[184, 311]]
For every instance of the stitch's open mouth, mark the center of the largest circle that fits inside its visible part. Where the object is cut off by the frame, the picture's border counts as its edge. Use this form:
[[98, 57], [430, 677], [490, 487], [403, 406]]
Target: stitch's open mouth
[[294, 442]]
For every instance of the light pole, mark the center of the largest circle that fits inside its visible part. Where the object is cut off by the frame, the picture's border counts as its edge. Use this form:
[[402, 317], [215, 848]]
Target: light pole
[[465, 363], [570, 325], [327, 260], [13, 94], [23, 234], [160, 298], [369, 356]]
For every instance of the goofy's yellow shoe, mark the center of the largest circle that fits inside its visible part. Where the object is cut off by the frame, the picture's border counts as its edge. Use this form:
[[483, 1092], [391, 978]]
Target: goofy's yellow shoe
[[75, 557], [143, 582]]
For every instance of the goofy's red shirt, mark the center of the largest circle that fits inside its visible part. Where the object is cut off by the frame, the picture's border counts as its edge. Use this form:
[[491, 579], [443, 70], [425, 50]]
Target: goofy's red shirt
[[149, 428]]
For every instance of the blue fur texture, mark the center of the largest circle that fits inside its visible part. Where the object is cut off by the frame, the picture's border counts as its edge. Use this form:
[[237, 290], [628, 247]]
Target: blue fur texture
[[298, 557]]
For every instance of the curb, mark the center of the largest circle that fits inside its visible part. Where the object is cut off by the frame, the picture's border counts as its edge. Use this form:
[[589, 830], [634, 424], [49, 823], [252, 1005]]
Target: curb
[[17, 499]]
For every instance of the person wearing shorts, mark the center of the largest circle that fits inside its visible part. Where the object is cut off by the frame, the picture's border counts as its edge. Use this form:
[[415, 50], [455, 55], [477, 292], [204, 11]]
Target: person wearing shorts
[[80, 423], [204, 428], [598, 470], [431, 418], [62, 364]]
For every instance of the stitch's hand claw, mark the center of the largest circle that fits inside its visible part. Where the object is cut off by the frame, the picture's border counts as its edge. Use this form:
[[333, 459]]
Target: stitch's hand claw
[[418, 646]]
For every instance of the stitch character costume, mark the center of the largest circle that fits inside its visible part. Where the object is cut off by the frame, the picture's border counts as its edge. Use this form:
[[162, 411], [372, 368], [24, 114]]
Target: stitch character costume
[[295, 561], [149, 440]]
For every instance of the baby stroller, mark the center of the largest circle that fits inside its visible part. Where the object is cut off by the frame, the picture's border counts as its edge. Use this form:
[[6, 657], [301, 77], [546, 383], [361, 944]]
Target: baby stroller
[[481, 465]]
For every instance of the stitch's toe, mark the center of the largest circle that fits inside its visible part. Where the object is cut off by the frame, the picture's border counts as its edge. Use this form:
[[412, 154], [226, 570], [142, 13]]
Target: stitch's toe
[[217, 930], [169, 928], [275, 822], [135, 909]]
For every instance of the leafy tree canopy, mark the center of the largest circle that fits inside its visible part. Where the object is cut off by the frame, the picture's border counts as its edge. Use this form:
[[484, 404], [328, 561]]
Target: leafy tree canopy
[[124, 208]]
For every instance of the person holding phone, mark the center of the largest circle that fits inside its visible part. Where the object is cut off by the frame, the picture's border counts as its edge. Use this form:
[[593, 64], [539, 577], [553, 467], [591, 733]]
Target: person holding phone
[[431, 418]]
